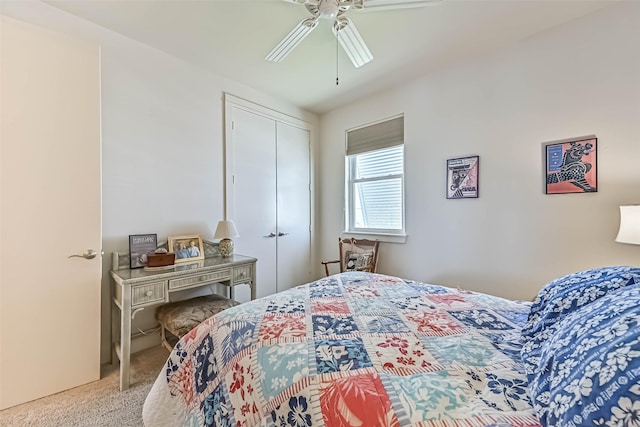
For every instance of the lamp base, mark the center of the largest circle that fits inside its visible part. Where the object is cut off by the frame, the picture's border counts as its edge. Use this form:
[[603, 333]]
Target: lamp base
[[226, 247]]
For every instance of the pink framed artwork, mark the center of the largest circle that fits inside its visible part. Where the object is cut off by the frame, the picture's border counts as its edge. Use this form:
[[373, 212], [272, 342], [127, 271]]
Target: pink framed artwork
[[572, 166]]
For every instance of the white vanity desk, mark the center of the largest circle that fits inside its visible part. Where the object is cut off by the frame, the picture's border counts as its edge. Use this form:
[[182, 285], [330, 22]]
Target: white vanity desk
[[137, 289]]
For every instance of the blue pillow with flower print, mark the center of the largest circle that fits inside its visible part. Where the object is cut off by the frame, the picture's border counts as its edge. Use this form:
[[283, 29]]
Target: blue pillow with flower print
[[586, 371], [568, 293]]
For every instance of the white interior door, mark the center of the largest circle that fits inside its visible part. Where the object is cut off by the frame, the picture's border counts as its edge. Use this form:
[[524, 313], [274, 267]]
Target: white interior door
[[253, 181], [294, 206], [50, 209]]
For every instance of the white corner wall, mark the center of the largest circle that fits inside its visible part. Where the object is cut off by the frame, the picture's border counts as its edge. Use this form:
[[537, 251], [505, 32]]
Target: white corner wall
[[577, 79]]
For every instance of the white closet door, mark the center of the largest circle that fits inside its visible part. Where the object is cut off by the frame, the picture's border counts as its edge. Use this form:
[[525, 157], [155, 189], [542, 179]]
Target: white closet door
[[294, 214], [50, 209], [268, 193], [253, 188]]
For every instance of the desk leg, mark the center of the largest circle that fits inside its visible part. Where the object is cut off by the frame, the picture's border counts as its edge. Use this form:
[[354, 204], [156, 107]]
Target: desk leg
[[125, 341], [253, 289], [115, 325]]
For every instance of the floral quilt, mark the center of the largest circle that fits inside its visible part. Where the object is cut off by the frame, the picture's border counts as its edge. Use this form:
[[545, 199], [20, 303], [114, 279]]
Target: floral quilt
[[581, 348], [354, 349]]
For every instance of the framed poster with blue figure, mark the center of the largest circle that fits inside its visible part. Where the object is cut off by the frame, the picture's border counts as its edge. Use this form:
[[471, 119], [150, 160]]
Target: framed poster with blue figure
[[571, 166]]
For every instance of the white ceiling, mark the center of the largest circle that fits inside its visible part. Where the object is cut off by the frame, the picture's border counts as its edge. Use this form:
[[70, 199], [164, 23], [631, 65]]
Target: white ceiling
[[232, 37]]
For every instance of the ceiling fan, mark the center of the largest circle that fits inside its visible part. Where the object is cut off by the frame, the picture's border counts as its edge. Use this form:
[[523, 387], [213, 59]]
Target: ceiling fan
[[343, 28]]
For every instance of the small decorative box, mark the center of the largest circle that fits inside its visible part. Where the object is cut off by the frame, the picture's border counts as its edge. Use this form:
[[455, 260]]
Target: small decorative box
[[161, 260]]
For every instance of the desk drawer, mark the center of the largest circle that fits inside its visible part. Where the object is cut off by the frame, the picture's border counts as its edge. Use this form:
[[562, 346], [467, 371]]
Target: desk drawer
[[199, 279], [242, 274], [147, 293]]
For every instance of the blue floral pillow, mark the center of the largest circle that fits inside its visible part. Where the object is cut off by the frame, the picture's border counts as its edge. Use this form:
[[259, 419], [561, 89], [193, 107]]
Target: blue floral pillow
[[585, 368], [568, 293]]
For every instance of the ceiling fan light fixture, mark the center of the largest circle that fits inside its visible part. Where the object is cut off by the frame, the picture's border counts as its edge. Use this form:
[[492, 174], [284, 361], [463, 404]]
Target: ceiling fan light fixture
[[292, 40], [328, 9]]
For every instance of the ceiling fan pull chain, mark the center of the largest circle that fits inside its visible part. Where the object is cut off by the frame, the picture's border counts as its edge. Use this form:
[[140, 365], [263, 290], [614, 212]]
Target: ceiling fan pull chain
[[337, 74]]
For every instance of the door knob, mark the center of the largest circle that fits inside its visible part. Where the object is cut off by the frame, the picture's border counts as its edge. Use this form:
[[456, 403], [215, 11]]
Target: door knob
[[270, 235], [91, 254], [280, 234]]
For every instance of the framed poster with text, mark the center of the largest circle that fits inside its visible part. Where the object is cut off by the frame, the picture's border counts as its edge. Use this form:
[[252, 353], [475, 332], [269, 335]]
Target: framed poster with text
[[141, 245], [462, 177]]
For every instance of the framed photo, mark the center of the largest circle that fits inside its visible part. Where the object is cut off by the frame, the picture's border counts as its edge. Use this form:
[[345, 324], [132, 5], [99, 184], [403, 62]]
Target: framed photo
[[571, 166], [187, 248], [462, 177], [141, 245]]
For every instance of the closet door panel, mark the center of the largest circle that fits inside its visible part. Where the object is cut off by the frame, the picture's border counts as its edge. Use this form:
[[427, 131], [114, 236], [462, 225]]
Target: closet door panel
[[293, 202], [254, 202]]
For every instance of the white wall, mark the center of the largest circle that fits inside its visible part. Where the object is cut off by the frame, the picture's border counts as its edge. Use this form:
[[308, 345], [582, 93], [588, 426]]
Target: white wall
[[162, 139], [575, 80]]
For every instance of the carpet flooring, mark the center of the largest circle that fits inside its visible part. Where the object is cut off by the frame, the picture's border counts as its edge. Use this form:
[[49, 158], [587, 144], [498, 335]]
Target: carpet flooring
[[100, 403]]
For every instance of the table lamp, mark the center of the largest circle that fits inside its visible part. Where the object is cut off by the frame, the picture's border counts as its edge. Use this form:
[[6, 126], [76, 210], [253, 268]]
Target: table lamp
[[629, 231], [225, 231]]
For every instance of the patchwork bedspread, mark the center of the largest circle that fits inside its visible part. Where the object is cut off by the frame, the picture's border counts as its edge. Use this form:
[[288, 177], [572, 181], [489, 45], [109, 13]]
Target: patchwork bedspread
[[354, 349]]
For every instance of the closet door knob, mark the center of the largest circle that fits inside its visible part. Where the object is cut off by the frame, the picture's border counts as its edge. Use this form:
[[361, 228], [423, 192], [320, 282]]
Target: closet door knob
[[270, 235], [282, 234]]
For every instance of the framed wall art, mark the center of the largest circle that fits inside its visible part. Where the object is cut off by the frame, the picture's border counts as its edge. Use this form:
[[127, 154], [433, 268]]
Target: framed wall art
[[187, 248], [141, 245], [571, 166], [462, 177]]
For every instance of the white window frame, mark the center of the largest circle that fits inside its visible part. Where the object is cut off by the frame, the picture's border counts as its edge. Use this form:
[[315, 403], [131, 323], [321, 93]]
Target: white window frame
[[386, 235]]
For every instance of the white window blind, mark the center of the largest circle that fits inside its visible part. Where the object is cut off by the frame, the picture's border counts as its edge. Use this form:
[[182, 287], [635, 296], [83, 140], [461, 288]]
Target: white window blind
[[375, 171]]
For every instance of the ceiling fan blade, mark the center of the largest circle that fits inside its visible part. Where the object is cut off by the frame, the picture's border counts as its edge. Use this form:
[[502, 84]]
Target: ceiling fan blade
[[351, 41], [303, 1], [291, 40], [375, 5]]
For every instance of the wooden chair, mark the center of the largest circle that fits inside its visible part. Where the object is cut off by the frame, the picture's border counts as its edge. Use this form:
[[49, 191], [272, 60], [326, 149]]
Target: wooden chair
[[356, 255]]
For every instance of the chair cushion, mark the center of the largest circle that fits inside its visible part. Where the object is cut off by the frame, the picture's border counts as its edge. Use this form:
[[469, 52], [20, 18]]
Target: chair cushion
[[182, 316], [355, 261]]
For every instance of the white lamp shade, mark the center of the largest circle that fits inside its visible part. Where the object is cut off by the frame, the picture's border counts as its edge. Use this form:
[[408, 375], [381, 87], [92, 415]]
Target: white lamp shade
[[629, 225], [226, 230]]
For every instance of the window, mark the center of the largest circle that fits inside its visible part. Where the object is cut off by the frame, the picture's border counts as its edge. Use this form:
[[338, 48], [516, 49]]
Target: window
[[375, 178]]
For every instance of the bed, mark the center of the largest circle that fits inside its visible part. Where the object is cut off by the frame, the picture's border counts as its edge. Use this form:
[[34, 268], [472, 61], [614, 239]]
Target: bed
[[365, 349]]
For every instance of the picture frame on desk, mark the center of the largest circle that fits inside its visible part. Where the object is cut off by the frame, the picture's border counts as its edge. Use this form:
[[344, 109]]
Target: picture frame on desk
[[188, 247], [140, 246]]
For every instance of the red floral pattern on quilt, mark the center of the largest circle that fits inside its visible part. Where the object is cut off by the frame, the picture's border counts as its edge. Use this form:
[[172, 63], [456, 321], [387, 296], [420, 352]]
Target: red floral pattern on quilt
[[448, 299], [329, 306], [182, 383], [279, 326], [435, 323], [242, 388], [404, 353], [348, 402]]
